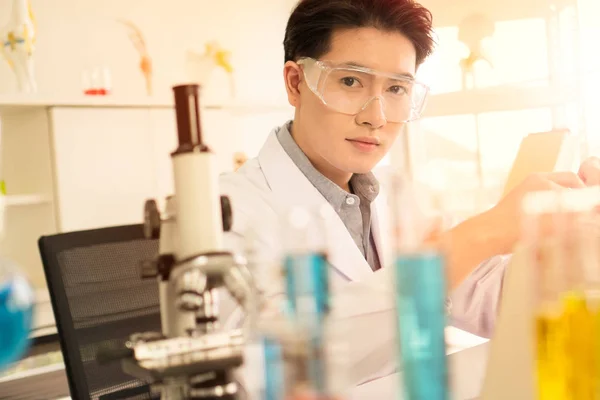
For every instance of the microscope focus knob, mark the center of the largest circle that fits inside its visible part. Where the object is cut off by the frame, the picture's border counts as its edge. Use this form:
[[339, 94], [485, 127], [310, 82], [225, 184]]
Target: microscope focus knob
[[226, 213], [151, 220], [148, 269]]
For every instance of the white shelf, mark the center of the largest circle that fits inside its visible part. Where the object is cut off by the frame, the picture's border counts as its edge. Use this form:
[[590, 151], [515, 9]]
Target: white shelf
[[26, 373], [243, 108], [25, 200], [497, 99], [21, 102], [16, 102]]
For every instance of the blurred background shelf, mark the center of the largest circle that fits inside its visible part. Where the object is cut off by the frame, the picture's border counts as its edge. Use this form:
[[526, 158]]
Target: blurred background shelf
[[25, 200], [17, 100], [19, 103], [502, 98]]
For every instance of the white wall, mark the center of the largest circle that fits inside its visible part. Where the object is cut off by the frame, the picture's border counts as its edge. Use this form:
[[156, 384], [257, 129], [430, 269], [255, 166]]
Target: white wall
[[497, 10], [75, 34]]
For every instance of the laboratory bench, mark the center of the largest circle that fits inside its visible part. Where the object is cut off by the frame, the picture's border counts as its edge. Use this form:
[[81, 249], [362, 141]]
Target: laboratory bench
[[43, 375]]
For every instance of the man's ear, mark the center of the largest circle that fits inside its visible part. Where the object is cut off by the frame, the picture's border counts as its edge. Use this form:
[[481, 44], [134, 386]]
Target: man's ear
[[292, 75]]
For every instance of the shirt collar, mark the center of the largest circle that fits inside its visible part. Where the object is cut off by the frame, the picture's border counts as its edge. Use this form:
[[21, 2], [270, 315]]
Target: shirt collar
[[365, 186]]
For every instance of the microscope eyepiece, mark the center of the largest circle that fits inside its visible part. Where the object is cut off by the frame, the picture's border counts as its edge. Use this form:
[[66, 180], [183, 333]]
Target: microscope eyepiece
[[189, 127]]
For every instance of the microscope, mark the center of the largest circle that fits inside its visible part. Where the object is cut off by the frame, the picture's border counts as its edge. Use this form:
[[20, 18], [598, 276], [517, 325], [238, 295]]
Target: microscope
[[192, 358]]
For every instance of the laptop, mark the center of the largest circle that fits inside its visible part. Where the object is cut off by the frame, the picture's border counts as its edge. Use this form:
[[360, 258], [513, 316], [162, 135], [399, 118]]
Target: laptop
[[541, 152]]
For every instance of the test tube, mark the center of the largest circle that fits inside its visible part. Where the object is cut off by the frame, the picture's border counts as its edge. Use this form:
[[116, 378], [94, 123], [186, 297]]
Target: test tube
[[563, 254], [265, 370], [264, 375], [308, 298], [420, 294]]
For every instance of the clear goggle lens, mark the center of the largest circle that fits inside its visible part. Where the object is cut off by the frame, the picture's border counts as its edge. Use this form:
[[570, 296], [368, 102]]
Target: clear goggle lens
[[349, 90]]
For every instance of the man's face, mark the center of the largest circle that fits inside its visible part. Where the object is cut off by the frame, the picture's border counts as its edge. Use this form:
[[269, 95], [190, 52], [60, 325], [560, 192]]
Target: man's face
[[342, 143]]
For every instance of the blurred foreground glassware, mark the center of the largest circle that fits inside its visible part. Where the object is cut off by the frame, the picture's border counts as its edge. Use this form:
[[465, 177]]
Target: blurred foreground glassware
[[16, 313], [561, 234], [297, 352], [317, 350], [420, 286]]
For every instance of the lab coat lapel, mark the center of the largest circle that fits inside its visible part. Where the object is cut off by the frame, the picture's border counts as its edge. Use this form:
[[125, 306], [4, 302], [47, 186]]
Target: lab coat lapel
[[382, 215], [381, 224], [291, 188]]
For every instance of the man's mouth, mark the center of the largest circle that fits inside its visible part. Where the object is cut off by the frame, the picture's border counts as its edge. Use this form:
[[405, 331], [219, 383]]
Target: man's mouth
[[365, 143], [366, 140]]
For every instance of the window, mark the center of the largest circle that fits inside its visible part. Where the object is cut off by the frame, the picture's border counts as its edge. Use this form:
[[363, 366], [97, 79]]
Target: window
[[473, 153], [447, 147], [590, 32], [500, 134], [442, 70], [518, 51]]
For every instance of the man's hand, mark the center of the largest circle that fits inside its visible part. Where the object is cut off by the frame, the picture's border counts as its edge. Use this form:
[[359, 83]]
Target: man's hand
[[589, 171], [497, 231], [505, 217]]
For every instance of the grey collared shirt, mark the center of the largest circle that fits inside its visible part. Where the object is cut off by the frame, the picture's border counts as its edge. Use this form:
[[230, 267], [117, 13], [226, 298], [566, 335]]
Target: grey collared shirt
[[354, 209]]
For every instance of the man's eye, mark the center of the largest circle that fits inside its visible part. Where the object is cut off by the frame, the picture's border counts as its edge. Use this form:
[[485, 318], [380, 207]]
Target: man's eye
[[349, 81], [398, 89]]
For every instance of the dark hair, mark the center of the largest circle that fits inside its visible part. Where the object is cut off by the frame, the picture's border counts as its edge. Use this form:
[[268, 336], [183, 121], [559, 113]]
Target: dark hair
[[312, 23]]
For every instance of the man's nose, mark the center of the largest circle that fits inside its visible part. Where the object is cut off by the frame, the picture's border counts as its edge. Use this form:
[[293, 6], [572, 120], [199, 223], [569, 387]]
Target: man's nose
[[372, 114]]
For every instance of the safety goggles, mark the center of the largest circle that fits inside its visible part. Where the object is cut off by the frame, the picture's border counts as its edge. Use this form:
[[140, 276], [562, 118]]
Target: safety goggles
[[351, 89]]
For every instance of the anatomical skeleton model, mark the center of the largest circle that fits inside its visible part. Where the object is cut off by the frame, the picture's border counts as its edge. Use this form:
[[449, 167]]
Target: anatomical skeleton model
[[17, 39]]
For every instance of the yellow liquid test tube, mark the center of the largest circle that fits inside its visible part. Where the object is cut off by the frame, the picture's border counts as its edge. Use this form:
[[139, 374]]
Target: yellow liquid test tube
[[580, 347], [567, 350], [561, 230], [596, 338], [550, 354]]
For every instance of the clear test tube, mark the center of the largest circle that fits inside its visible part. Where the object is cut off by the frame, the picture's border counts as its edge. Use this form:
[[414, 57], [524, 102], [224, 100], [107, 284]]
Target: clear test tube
[[263, 375], [308, 295], [291, 335], [541, 237], [264, 372], [562, 257], [581, 301], [589, 235], [420, 293]]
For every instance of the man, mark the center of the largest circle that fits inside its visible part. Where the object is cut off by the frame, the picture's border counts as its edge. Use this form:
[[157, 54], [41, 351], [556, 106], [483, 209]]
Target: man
[[349, 72]]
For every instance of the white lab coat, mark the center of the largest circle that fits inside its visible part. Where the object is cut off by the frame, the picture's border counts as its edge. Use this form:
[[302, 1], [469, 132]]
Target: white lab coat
[[265, 187]]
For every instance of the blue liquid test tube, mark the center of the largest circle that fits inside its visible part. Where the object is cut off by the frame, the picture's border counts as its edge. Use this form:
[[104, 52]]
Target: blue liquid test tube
[[308, 302], [420, 295], [421, 319], [274, 370], [307, 290], [265, 347]]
